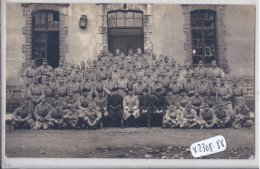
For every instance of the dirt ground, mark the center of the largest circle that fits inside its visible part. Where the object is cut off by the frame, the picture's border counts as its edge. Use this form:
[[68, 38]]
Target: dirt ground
[[125, 143]]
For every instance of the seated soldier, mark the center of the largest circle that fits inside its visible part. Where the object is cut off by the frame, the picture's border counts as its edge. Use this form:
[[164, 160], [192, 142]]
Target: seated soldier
[[92, 117], [172, 117], [55, 118], [207, 117], [222, 116], [41, 114], [100, 104], [22, 117], [159, 107], [189, 117], [145, 104], [131, 107], [71, 117], [242, 116], [115, 108]]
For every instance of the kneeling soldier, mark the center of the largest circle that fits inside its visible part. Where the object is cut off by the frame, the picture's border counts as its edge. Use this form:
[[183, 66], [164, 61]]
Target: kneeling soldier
[[242, 116], [172, 117], [189, 117], [207, 117], [41, 114], [131, 107], [222, 116], [22, 117]]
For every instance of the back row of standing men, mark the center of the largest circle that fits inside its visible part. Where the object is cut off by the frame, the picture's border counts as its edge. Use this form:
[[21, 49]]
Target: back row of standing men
[[130, 88]]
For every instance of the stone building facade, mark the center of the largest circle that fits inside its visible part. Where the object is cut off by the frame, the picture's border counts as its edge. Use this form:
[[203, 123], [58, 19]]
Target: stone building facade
[[166, 29]]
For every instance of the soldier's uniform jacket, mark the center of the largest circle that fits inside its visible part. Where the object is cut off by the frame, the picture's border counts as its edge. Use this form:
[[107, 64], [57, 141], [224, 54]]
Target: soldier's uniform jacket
[[221, 113], [242, 110], [155, 86], [70, 101], [237, 91], [93, 114], [131, 102], [226, 91], [165, 81], [109, 84], [35, 91], [217, 72], [210, 100], [172, 114], [148, 80], [55, 114], [189, 87], [159, 102], [202, 87], [183, 100], [45, 70], [171, 98], [62, 90], [103, 75], [100, 103], [128, 74], [207, 116], [22, 113], [75, 87], [122, 83], [87, 85], [196, 101], [201, 71], [116, 101], [145, 102], [29, 73], [189, 115], [59, 72], [140, 73], [48, 91], [176, 87], [138, 88], [83, 102], [42, 110]]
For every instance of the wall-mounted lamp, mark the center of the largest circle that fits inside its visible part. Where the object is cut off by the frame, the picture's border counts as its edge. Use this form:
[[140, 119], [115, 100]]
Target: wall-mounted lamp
[[83, 22]]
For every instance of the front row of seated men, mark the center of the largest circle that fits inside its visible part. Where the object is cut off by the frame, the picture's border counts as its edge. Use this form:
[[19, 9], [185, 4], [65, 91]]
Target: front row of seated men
[[132, 110]]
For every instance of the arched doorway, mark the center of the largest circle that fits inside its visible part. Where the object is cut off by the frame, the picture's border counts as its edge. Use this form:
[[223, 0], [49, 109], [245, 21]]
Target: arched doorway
[[125, 30], [45, 37]]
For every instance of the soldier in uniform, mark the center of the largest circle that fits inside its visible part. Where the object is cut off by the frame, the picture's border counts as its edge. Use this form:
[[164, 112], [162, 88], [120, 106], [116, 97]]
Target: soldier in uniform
[[224, 96], [41, 114], [189, 86], [115, 108], [75, 87], [98, 86], [128, 72], [35, 92], [100, 104], [44, 71], [183, 99], [131, 107], [175, 87], [189, 117], [71, 117], [216, 71], [55, 118], [59, 70], [159, 107], [103, 73], [88, 85], [132, 81], [62, 91], [119, 55], [92, 117], [222, 116], [48, 90], [155, 85], [109, 84], [130, 54], [171, 119], [207, 117], [122, 84], [196, 102], [209, 99], [29, 73], [145, 105], [22, 117], [139, 71], [237, 94], [165, 81], [242, 116], [201, 69], [138, 55], [202, 87], [139, 87]]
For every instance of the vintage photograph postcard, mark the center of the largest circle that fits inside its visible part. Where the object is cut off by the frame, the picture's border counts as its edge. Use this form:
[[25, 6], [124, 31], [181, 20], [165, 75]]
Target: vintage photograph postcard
[[129, 81]]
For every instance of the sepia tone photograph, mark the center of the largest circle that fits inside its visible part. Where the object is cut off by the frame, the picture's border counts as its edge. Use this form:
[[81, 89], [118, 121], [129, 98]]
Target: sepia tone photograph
[[132, 81]]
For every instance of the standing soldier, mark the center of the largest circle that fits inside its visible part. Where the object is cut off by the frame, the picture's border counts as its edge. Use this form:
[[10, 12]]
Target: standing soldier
[[22, 117], [131, 107], [35, 92], [59, 70], [189, 117], [115, 108], [224, 96], [201, 69], [159, 107], [145, 104], [122, 84], [44, 71], [242, 116], [171, 119], [41, 114], [29, 73], [237, 94]]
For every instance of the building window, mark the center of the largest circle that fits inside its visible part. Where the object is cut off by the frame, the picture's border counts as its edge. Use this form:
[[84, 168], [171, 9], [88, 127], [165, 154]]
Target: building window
[[125, 30], [203, 32], [45, 37]]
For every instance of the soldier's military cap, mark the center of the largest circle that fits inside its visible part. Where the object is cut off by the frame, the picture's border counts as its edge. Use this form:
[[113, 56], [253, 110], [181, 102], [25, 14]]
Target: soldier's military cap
[[145, 90], [158, 90]]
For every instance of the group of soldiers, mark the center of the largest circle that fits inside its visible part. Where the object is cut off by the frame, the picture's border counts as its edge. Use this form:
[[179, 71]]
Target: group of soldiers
[[134, 90]]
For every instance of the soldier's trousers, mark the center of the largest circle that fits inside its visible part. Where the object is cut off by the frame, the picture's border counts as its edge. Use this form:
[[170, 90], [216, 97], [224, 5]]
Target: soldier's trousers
[[113, 118], [145, 118], [24, 124], [157, 119]]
